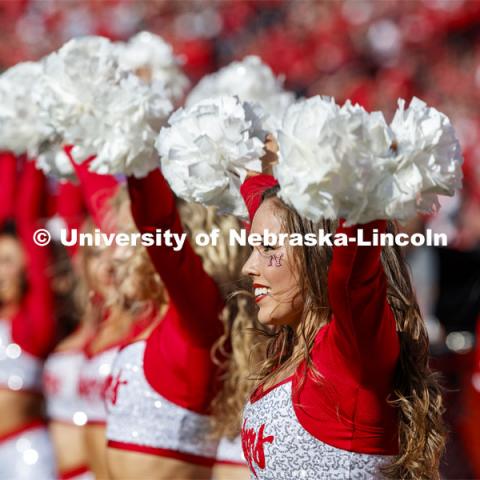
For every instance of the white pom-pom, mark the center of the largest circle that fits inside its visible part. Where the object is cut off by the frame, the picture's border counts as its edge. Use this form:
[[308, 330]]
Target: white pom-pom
[[133, 122], [206, 151], [21, 128], [152, 59], [251, 80], [77, 85], [55, 163], [328, 158], [427, 161], [102, 109], [344, 162]]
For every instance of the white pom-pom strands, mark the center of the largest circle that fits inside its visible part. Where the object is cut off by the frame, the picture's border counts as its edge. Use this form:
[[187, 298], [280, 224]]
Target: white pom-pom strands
[[333, 161], [101, 108], [153, 60], [21, 128], [427, 158], [344, 162], [207, 150], [55, 163], [326, 157], [252, 81]]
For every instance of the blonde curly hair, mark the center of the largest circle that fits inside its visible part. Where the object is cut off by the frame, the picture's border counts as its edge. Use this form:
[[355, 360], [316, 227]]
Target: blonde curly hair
[[223, 262], [232, 352]]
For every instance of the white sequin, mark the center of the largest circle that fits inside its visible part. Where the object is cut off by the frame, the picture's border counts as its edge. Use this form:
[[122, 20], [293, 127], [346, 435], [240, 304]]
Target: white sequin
[[279, 448], [138, 415], [92, 384], [28, 456], [19, 370], [60, 382]]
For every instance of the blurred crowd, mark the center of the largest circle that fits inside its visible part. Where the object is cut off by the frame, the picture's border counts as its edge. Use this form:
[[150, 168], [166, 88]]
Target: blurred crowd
[[372, 52]]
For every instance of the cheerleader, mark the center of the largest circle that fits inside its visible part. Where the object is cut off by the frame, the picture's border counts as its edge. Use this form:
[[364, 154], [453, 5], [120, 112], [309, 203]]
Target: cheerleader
[[64, 406], [163, 382], [345, 390], [113, 323], [26, 329], [62, 368]]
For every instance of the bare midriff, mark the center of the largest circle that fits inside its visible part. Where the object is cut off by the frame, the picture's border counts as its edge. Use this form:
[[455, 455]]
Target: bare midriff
[[18, 409], [123, 464]]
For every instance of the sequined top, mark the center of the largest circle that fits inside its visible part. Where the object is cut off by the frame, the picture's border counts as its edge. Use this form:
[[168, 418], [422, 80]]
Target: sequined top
[[94, 379], [19, 370], [277, 447], [61, 386], [141, 419]]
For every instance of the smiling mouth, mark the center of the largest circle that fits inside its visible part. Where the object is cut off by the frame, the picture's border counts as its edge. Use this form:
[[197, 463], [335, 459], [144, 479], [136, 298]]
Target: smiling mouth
[[261, 293]]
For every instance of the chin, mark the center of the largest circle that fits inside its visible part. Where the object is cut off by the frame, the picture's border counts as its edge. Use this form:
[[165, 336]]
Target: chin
[[268, 322], [278, 318], [267, 319]]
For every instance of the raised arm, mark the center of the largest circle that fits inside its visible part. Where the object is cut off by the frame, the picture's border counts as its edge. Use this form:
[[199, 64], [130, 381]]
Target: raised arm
[[363, 325], [193, 292], [34, 325], [252, 190], [70, 208], [97, 191], [8, 183]]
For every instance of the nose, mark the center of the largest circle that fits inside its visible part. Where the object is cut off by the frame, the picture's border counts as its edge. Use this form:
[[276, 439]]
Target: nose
[[250, 268]]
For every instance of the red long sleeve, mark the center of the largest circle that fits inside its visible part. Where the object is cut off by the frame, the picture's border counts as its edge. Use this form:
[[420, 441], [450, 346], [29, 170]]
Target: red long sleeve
[[33, 327], [177, 361], [70, 207], [97, 191], [252, 190], [363, 325], [8, 183], [356, 354], [192, 291]]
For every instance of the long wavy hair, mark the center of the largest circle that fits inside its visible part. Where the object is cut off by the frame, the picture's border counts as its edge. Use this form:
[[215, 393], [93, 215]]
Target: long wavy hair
[[417, 393], [223, 262], [140, 289]]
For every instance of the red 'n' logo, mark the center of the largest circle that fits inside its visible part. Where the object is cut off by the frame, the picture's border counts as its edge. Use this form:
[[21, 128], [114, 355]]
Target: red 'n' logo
[[252, 444], [51, 384], [112, 386]]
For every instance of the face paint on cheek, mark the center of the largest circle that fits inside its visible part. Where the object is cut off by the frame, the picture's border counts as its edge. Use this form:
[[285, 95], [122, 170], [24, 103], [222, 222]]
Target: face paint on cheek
[[275, 260]]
